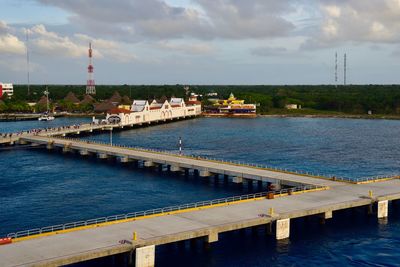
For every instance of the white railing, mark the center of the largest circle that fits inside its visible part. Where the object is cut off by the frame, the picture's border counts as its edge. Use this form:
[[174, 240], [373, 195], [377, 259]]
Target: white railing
[[241, 163], [159, 211]]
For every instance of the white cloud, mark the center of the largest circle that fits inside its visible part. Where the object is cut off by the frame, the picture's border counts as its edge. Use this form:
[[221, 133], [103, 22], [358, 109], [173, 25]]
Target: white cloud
[[187, 48], [76, 46], [9, 43], [367, 21], [138, 19], [268, 51]]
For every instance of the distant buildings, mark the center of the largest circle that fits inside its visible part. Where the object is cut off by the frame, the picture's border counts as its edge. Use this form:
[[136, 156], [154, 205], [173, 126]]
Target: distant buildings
[[144, 111], [292, 106], [6, 89], [230, 107]]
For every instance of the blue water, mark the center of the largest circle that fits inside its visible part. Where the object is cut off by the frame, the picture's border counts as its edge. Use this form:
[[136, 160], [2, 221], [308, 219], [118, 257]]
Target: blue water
[[16, 126], [40, 188], [340, 147]]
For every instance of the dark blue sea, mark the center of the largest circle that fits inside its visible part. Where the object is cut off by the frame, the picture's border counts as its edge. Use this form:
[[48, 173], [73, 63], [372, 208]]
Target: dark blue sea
[[41, 188]]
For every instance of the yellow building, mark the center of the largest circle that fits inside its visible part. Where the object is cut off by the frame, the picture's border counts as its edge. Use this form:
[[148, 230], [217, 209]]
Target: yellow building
[[230, 101], [231, 107]]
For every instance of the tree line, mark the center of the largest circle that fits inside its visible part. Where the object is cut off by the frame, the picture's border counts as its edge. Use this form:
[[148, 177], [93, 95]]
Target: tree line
[[352, 99]]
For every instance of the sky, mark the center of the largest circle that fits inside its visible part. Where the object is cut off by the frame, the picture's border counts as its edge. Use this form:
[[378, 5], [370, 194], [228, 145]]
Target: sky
[[238, 42]]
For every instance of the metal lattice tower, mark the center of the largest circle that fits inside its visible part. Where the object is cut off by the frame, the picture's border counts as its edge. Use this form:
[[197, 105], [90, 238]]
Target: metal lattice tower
[[345, 70], [90, 85], [336, 69]]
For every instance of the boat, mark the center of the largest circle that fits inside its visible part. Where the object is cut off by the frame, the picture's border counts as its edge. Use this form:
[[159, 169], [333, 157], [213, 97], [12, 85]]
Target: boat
[[46, 116]]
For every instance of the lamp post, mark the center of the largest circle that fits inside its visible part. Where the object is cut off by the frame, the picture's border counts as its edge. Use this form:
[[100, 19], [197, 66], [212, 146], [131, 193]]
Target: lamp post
[[180, 146], [111, 136]]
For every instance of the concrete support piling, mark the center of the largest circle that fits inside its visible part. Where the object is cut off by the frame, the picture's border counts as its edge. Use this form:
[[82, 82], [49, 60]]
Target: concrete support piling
[[148, 163], [102, 155], [175, 168], [123, 159], [145, 256], [204, 173], [212, 237], [83, 152], [282, 229], [237, 180], [383, 209]]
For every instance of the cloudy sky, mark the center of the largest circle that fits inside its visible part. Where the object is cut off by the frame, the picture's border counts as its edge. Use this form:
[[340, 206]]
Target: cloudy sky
[[200, 41]]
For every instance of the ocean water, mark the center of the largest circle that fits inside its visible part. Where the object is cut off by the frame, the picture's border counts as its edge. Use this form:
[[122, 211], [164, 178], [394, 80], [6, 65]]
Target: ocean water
[[40, 188]]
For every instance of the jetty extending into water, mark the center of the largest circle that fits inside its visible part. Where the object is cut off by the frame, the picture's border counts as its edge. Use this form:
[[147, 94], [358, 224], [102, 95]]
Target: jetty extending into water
[[135, 235]]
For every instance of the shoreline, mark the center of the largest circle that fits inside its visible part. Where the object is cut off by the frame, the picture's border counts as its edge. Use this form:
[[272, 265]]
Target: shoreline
[[333, 116], [9, 117]]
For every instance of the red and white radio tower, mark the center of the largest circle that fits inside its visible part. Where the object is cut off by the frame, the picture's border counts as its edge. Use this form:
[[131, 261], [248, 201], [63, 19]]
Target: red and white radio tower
[[90, 87]]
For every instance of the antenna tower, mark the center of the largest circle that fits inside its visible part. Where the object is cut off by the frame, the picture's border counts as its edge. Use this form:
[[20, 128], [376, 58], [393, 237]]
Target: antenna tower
[[345, 69], [336, 69], [90, 86], [27, 60]]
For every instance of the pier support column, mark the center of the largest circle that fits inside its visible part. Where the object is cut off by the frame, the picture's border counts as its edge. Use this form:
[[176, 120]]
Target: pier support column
[[66, 149], [175, 168], [383, 209], [212, 237], [204, 173], [22, 142], [282, 229], [49, 146], [326, 215], [83, 152], [123, 159], [148, 163], [145, 256], [102, 155], [237, 180]]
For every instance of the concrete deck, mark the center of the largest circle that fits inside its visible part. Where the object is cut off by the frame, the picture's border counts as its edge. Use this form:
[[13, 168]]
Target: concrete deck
[[92, 243], [205, 167]]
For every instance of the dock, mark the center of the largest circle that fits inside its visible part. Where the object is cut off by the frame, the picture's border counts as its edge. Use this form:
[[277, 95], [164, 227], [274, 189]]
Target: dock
[[138, 236], [135, 235]]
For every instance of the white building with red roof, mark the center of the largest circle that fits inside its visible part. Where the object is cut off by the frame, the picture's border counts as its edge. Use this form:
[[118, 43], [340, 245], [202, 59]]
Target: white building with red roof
[[143, 111]]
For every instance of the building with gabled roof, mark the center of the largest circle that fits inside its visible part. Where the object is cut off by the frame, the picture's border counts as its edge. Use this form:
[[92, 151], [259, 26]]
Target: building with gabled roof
[[116, 98], [71, 97], [143, 111], [104, 106], [87, 99]]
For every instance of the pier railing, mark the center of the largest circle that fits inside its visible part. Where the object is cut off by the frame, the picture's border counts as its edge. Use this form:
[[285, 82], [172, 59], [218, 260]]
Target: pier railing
[[331, 177], [161, 211]]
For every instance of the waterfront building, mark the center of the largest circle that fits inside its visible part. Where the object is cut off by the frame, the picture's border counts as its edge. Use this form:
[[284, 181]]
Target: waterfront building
[[230, 107], [144, 111], [87, 99], [71, 97], [292, 106], [6, 89]]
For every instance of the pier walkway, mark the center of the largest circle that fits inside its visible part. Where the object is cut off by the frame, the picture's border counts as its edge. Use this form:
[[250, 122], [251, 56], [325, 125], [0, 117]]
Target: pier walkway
[[205, 168], [143, 233]]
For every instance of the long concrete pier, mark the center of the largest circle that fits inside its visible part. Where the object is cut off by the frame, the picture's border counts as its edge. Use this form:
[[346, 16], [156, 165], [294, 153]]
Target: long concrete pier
[[204, 167], [14, 138], [138, 237]]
